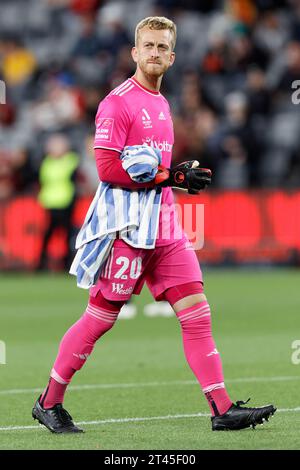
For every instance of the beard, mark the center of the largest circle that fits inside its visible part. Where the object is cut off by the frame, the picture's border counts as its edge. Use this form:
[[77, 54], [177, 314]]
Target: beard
[[153, 70]]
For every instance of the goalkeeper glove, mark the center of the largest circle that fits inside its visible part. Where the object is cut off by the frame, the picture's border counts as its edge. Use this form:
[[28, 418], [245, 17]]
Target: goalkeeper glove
[[186, 176]]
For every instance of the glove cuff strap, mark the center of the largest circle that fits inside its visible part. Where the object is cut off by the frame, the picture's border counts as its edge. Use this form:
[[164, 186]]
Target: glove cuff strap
[[162, 175]]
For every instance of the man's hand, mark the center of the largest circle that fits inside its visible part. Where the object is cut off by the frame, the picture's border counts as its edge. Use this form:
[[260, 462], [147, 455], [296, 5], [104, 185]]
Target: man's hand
[[186, 176]]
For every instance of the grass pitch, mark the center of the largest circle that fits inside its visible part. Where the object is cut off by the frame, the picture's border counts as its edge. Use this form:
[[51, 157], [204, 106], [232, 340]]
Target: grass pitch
[[136, 391]]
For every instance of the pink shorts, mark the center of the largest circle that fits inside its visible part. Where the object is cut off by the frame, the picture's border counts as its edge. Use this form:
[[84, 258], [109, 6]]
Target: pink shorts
[[127, 269]]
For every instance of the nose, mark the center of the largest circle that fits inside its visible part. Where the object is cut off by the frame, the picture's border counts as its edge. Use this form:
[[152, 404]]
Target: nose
[[154, 52]]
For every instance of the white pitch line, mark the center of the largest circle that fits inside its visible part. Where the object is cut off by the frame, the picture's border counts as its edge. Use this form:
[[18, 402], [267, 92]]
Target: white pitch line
[[17, 391], [134, 420], [102, 386]]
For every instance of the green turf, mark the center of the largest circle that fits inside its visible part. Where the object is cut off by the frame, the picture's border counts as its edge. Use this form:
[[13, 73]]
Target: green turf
[[255, 321]]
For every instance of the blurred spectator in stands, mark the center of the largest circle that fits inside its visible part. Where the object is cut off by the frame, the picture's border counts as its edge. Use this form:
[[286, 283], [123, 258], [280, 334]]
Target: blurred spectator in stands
[[244, 52], [213, 68], [291, 70], [215, 57], [88, 43], [271, 31], [294, 19], [91, 60], [192, 96], [7, 115], [15, 126], [243, 11], [234, 145], [82, 7], [113, 34], [25, 172], [205, 125], [293, 176], [16, 172], [192, 136], [258, 95], [61, 105], [181, 143], [57, 194], [18, 66], [88, 180], [6, 175], [92, 95], [124, 67], [283, 134]]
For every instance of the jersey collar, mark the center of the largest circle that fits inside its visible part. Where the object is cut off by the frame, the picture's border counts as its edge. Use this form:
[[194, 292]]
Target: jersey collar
[[156, 93]]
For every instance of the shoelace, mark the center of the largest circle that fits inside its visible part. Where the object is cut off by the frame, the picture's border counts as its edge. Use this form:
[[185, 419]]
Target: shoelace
[[249, 408], [62, 416], [241, 402]]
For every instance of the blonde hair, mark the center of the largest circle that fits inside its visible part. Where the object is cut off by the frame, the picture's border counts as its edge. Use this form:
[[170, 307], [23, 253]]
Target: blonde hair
[[157, 22]]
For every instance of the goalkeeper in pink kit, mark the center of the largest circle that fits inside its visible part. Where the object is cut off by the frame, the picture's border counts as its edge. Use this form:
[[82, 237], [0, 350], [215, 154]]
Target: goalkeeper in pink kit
[[136, 117]]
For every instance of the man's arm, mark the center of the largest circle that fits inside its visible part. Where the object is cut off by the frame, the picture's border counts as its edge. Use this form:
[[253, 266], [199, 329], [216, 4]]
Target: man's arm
[[110, 170]]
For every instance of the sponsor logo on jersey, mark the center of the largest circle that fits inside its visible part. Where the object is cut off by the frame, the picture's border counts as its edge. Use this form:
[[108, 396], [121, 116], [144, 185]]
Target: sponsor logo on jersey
[[147, 123], [163, 146], [119, 289], [104, 129]]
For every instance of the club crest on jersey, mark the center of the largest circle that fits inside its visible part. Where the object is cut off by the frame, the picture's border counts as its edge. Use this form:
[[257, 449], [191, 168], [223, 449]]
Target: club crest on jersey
[[146, 119], [161, 116]]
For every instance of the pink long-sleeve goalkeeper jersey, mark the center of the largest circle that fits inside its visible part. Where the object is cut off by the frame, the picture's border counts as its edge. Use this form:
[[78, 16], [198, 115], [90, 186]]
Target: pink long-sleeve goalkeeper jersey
[[133, 115]]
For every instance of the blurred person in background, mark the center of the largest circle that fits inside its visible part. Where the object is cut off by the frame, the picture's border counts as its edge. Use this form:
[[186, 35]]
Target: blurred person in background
[[6, 176], [88, 179], [61, 105], [291, 70], [235, 146], [18, 65], [258, 95], [58, 191], [17, 173]]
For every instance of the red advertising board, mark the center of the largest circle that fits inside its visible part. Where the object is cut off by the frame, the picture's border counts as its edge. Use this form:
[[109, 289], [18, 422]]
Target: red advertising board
[[242, 227]]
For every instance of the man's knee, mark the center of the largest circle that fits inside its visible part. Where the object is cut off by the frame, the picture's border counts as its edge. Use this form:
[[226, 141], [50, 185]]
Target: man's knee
[[101, 314], [195, 318], [185, 295], [101, 302], [188, 302]]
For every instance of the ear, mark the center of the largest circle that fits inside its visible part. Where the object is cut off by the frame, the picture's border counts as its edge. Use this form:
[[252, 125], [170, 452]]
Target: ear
[[172, 58], [134, 54]]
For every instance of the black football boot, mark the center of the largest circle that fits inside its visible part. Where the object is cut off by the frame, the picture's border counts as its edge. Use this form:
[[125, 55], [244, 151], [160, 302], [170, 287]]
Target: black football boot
[[238, 417], [56, 419]]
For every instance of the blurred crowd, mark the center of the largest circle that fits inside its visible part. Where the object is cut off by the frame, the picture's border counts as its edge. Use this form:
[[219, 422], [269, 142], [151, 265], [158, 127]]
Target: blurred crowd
[[230, 88]]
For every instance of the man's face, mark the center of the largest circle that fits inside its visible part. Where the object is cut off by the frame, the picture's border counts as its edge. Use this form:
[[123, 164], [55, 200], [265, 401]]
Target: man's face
[[153, 51]]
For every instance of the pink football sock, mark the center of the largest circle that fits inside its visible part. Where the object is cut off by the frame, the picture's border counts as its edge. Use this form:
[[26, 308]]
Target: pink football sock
[[53, 394], [75, 347], [202, 355]]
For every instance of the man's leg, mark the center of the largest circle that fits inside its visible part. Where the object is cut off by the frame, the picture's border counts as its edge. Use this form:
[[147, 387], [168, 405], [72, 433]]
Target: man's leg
[[46, 238], [193, 313], [77, 345]]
